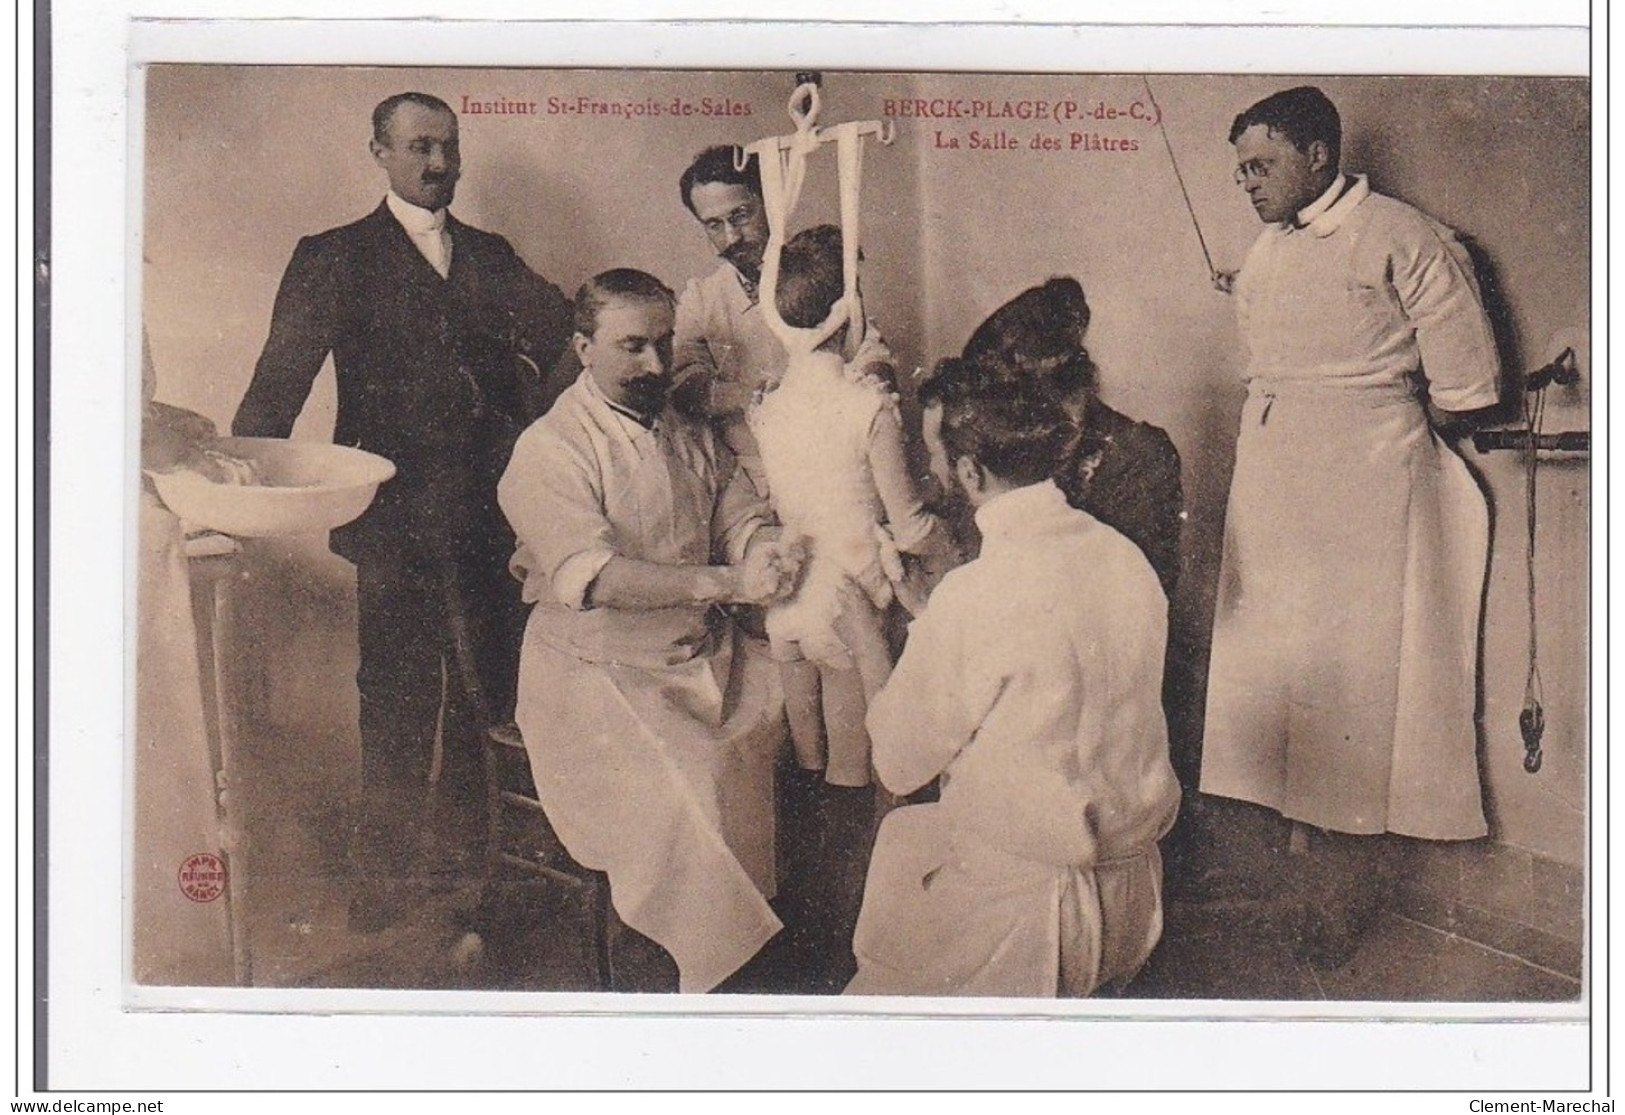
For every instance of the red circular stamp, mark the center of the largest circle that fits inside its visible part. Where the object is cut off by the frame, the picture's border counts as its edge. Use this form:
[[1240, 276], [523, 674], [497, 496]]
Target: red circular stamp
[[202, 877]]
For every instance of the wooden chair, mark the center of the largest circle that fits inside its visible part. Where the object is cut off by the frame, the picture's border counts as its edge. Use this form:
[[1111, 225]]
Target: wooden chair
[[523, 842]]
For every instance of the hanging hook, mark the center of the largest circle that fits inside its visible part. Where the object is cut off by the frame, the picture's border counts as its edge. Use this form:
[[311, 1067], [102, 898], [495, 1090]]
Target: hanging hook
[[1563, 371], [1532, 725], [804, 106]]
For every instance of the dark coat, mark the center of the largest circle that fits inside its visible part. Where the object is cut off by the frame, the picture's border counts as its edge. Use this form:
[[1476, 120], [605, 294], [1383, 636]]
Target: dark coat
[[1127, 475], [428, 369]]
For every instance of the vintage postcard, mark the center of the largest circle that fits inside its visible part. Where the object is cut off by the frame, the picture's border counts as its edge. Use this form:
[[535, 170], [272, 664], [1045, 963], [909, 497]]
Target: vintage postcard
[[882, 541]]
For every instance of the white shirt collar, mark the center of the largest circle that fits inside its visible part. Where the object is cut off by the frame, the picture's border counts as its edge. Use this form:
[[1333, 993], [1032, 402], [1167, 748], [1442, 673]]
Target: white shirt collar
[[415, 219], [1018, 509], [1326, 214], [623, 415], [1315, 208]]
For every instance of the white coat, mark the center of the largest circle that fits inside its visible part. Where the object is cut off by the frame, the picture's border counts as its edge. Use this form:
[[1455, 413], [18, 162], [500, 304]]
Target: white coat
[[1343, 680], [1032, 683], [651, 736]]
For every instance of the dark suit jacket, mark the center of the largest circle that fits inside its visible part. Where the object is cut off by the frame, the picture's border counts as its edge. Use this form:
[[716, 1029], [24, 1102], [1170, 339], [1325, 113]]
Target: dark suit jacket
[[428, 372]]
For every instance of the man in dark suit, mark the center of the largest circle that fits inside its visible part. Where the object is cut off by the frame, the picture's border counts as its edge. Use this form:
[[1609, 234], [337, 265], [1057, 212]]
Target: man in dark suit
[[439, 335]]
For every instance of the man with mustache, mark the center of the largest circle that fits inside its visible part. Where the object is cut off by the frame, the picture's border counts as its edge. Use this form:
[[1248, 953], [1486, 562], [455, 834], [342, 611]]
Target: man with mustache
[[1342, 687], [652, 733], [724, 352], [437, 333]]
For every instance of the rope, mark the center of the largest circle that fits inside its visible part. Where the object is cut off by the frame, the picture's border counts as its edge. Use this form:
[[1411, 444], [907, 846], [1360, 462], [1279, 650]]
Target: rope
[[1532, 719]]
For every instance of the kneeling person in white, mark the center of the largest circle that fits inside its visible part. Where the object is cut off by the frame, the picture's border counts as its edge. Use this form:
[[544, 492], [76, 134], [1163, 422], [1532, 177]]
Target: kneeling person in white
[[651, 733], [1032, 685]]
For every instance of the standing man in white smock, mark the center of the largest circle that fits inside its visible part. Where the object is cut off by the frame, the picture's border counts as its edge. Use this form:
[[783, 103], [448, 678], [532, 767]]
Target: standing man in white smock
[[1342, 688]]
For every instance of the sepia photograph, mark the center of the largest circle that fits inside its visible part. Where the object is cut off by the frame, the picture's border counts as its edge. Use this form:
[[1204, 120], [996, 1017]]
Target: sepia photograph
[[701, 547], [969, 536]]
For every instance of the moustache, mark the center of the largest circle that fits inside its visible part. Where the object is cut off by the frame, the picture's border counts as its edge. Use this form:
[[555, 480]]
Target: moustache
[[745, 256], [652, 389]]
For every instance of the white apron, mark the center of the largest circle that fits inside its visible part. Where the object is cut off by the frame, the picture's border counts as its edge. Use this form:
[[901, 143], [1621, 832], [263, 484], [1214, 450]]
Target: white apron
[[944, 914], [1343, 684], [663, 779], [1342, 688]]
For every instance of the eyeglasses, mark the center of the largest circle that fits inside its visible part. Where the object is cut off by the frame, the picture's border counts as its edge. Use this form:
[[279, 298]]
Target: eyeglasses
[[741, 218], [1252, 168]]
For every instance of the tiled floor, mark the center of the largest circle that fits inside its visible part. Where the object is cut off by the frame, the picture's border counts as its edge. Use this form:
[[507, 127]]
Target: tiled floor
[[537, 936]]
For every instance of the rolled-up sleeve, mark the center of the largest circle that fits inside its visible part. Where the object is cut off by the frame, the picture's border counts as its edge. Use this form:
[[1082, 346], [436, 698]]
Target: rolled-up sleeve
[[573, 579], [1433, 276], [553, 496]]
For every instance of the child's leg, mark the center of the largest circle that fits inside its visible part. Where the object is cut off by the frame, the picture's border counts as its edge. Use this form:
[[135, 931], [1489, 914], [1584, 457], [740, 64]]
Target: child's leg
[[845, 705], [803, 709], [844, 711]]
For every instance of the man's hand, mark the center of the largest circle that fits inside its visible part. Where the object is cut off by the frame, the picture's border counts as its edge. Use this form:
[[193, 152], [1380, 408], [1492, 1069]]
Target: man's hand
[[691, 392], [790, 553], [913, 591], [1458, 423], [699, 392]]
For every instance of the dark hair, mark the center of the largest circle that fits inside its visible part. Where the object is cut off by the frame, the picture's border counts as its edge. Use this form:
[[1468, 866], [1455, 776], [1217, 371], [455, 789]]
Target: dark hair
[[385, 111], [1015, 430], [1042, 323], [1039, 323], [716, 164], [954, 378], [811, 276], [1303, 115], [621, 282]]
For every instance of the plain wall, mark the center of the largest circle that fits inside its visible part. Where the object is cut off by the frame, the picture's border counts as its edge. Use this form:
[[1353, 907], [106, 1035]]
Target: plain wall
[[242, 161]]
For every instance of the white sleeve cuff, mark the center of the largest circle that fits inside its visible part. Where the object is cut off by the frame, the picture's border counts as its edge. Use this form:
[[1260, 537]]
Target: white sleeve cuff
[[741, 539], [575, 576], [1475, 397]]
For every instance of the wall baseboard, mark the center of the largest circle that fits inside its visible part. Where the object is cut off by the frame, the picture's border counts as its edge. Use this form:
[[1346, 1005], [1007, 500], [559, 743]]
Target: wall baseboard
[[1506, 898]]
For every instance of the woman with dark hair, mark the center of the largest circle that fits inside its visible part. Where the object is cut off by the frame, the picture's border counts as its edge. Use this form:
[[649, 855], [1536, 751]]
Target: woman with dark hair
[[1125, 473]]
